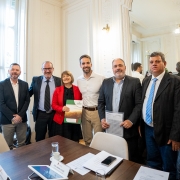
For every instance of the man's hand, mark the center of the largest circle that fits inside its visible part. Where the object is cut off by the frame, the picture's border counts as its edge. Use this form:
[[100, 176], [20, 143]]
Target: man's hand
[[16, 119], [104, 124], [175, 145], [126, 124]]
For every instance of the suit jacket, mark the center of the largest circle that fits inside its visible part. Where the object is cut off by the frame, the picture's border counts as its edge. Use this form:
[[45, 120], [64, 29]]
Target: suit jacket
[[8, 105], [35, 90], [166, 108], [57, 102], [130, 102]]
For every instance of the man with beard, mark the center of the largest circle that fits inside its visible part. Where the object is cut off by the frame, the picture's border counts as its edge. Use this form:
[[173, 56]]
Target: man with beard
[[42, 87], [137, 71], [89, 84], [14, 102], [122, 93]]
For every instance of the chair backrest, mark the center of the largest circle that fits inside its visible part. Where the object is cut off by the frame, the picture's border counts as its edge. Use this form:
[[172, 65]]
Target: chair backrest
[[3, 144], [110, 143]]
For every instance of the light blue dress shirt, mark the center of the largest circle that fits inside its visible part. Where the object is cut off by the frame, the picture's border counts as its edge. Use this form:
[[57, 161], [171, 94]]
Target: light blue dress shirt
[[117, 89], [42, 92]]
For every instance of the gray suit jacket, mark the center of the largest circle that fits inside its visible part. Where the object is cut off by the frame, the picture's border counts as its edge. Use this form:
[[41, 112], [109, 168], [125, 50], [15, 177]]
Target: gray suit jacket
[[166, 108], [130, 102], [8, 105], [35, 90]]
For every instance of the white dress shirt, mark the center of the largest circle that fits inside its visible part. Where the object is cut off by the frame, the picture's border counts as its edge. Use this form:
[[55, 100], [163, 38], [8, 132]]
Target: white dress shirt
[[147, 96], [138, 75], [89, 89], [16, 92]]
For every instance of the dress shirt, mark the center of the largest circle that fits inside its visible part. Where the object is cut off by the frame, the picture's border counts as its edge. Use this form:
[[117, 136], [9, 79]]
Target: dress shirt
[[89, 89], [16, 91], [42, 92], [117, 89], [147, 96], [138, 75]]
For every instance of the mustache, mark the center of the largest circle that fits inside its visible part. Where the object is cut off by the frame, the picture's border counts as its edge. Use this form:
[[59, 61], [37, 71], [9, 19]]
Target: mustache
[[118, 70]]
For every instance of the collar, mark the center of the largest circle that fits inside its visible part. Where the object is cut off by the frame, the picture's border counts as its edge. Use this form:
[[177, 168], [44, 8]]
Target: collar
[[12, 81], [159, 77], [51, 79], [114, 80]]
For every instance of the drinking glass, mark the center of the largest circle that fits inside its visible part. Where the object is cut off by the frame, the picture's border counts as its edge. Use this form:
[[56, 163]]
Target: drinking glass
[[55, 147], [100, 174]]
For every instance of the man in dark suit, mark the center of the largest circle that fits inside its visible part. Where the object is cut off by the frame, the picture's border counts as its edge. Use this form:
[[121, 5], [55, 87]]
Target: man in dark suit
[[14, 102], [122, 93], [161, 113], [42, 114]]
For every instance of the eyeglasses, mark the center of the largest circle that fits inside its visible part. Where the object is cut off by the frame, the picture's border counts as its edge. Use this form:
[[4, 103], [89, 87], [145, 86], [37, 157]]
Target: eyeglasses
[[47, 69]]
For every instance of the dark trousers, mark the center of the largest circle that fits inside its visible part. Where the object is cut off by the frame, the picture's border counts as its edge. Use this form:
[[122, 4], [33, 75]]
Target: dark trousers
[[133, 148], [43, 121], [178, 166], [160, 157]]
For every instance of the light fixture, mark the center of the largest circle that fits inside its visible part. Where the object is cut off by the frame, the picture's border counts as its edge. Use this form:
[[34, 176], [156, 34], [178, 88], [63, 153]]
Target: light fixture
[[177, 30], [107, 28]]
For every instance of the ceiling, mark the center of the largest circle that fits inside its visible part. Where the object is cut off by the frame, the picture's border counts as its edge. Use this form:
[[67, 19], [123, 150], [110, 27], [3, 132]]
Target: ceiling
[[154, 17]]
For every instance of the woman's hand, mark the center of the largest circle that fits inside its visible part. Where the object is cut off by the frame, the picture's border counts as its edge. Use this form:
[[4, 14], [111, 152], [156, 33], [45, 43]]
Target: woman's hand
[[65, 109]]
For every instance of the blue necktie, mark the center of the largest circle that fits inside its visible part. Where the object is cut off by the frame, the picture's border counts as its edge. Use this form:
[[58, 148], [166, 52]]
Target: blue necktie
[[149, 103]]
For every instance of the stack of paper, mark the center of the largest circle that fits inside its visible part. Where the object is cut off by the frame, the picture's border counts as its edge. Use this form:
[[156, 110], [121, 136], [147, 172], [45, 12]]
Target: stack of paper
[[95, 162]]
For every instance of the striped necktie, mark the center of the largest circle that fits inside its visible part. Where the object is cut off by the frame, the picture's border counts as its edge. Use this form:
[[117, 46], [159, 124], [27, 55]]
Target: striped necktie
[[47, 97], [149, 103]]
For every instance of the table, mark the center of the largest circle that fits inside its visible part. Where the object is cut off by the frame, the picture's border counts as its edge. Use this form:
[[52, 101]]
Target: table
[[15, 162]]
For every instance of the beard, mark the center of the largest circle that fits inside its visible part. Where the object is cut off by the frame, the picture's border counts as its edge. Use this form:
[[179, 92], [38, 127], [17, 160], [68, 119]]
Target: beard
[[87, 70]]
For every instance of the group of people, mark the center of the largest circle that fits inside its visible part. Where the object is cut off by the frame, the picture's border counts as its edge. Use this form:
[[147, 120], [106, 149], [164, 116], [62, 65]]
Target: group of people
[[151, 109]]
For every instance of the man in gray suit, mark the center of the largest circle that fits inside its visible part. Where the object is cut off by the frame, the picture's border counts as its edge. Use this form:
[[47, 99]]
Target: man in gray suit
[[14, 102], [42, 116], [122, 93]]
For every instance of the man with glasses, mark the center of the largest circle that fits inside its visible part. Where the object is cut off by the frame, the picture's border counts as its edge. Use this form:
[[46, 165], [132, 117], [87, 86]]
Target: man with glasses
[[42, 87]]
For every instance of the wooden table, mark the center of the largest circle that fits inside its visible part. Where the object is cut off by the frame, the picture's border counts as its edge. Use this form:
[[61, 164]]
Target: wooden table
[[16, 162]]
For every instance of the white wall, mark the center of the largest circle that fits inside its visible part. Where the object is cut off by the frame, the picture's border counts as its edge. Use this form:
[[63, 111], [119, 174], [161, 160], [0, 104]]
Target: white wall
[[61, 31], [169, 44], [43, 39]]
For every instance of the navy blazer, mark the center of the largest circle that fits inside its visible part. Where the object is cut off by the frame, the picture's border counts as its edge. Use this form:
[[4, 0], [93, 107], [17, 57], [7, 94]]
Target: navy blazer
[[8, 105], [130, 102], [166, 108], [35, 90]]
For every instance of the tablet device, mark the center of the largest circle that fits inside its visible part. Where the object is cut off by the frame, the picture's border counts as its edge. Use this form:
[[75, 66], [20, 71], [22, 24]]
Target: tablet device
[[46, 172]]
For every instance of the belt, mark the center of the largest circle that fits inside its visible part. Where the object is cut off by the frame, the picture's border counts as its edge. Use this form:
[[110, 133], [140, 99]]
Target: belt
[[47, 112], [91, 108]]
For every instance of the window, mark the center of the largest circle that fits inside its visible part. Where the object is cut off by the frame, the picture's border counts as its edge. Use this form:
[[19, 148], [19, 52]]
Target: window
[[12, 35]]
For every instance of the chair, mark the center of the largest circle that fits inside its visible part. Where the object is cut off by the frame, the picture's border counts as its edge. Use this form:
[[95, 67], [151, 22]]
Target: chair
[[110, 143], [3, 144]]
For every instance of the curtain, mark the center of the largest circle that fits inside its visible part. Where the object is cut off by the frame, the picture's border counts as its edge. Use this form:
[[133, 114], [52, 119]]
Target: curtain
[[13, 15]]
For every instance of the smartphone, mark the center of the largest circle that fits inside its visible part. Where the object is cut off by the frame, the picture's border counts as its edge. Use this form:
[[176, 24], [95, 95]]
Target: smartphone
[[108, 161]]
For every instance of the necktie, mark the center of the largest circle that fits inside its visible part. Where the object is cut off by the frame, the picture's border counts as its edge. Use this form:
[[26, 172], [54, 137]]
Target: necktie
[[149, 103], [47, 97]]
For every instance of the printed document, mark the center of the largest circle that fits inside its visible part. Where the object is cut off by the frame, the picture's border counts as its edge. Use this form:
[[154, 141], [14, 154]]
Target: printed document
[[77, 164], [95, 162], [74, 115], [145, 173], [114, 119]]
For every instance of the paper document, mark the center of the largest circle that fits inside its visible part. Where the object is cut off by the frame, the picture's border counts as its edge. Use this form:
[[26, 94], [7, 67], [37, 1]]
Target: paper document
[[114, 119], [77, 164], [3, 175], [145, 173], [74, 115], [95, 162]]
